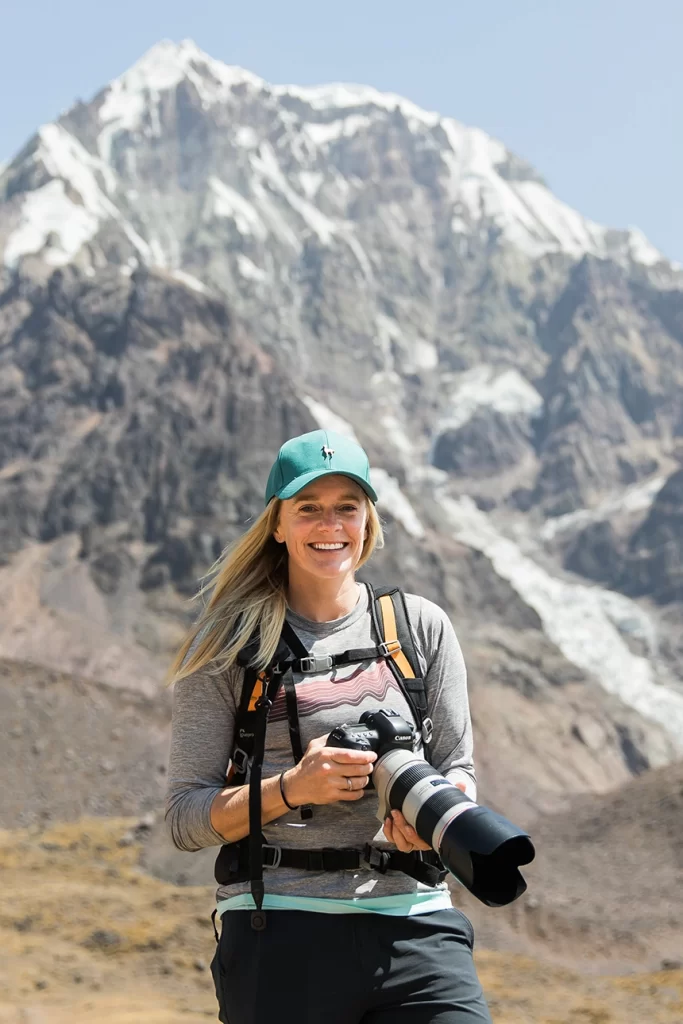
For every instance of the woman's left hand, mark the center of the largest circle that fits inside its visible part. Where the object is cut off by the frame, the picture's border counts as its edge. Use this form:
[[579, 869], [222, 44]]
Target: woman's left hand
[[405, 838]]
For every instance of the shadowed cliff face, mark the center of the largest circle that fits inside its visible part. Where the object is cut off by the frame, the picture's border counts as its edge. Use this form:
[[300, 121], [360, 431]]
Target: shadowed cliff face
[[647, 560], [653, 563], [137, 427], [612, 389], [131, 400]]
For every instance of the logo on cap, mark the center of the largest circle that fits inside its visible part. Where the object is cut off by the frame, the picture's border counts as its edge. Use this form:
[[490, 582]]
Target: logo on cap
[[327, 452]]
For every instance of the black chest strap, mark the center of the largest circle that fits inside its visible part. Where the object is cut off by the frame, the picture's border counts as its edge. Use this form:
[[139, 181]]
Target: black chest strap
[[298, 649], [255, 837]]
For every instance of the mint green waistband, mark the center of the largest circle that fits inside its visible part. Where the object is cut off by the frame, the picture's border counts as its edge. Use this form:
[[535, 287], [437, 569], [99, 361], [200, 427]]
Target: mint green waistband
[[404, 905]]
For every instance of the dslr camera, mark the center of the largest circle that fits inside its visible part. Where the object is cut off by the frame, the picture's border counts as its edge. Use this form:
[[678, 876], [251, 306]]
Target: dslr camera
[[480, 847]]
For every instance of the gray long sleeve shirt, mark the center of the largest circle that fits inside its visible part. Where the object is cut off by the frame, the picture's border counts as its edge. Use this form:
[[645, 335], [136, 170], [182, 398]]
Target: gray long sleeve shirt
[[204, 709]]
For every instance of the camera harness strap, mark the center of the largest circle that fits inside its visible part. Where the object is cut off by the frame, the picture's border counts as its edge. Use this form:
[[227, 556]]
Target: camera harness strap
[[389, 605], [391, 624]]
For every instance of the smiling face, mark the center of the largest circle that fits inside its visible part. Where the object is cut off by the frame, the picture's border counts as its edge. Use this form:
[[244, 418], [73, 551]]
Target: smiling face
[[324, 527]]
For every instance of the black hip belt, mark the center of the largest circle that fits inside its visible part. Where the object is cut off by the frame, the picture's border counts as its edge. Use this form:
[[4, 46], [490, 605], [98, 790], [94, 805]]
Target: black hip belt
[[232, 863]]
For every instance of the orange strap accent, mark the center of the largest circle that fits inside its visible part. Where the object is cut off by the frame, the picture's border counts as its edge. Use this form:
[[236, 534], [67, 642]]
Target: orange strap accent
[[256, 692], [391, 636]]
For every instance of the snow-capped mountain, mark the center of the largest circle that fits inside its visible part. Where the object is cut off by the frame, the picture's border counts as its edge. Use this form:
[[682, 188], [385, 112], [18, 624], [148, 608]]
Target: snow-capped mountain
[[197, 264], [301, 167]]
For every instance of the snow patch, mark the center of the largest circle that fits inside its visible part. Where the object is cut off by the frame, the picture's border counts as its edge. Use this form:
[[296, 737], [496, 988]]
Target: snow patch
[[391, 497], [343, 95], [48, 213], [227, 202], [311, 182], [424, 355], [322, 133], [249, 270], [574, 617], [548, 223], [64, 157], [190, 281], [629, 618], [530, 217], [419, 354], [167, 63], [388, 328], [396, 434], [246, 137], [265, 164], [637, 498], [328, 420], [358, 251], [508, 393], [157, 256], [641, 250], [71, 207]]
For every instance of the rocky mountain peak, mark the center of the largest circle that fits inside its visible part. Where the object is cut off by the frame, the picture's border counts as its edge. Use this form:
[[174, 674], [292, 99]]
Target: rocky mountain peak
[[285, 162]]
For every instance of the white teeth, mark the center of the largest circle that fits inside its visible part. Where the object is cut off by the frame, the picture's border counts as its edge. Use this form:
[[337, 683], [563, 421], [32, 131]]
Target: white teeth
[[327, 547]]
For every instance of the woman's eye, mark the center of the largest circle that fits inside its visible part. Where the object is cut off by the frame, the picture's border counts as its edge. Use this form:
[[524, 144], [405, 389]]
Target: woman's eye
[[349, 508]]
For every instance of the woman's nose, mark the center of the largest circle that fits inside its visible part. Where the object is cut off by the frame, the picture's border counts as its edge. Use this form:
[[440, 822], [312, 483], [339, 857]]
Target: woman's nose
[[329, 518]]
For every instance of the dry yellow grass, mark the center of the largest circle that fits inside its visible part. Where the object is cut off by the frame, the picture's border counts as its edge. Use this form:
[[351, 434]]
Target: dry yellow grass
[[87, 937]]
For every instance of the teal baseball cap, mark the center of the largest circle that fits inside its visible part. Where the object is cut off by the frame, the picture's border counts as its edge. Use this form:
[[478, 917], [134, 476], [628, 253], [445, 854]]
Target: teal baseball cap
[[303, 459]]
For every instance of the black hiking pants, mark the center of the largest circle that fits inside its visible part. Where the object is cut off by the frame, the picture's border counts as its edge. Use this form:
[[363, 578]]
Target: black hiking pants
[[348, 969]]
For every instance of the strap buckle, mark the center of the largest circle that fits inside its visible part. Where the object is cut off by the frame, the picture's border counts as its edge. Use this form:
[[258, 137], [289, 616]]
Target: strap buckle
[[389, 647], [277, 856], [377, 859], [240, 759], [427, 730], [316, 663]]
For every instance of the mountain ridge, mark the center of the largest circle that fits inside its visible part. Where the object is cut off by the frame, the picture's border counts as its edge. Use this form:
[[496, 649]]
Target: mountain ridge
[[526, 213]]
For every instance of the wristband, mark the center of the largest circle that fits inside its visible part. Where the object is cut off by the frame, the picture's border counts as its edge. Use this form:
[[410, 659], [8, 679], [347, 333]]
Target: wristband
[[282, 794]]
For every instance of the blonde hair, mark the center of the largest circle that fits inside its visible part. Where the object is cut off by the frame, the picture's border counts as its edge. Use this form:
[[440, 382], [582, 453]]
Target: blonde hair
[[248, 588]]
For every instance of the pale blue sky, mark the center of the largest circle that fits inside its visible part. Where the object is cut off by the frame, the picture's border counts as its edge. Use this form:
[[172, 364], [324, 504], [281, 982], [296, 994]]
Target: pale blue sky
[[589, 91]]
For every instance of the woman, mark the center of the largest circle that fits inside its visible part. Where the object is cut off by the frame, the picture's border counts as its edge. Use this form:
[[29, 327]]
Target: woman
[[353, 944]]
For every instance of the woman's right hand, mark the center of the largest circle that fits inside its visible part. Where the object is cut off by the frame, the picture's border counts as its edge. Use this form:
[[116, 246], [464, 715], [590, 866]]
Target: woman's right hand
[[321, 775]]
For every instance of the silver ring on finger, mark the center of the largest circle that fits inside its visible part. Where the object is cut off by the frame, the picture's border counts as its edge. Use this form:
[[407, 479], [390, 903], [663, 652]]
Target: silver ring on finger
[[349, 784]]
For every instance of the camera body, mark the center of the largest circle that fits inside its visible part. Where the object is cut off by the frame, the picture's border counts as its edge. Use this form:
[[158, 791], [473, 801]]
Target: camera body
[[380, 731]]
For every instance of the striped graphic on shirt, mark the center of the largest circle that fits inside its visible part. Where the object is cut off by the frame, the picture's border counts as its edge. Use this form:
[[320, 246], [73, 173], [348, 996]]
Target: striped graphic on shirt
[[322, 693]]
